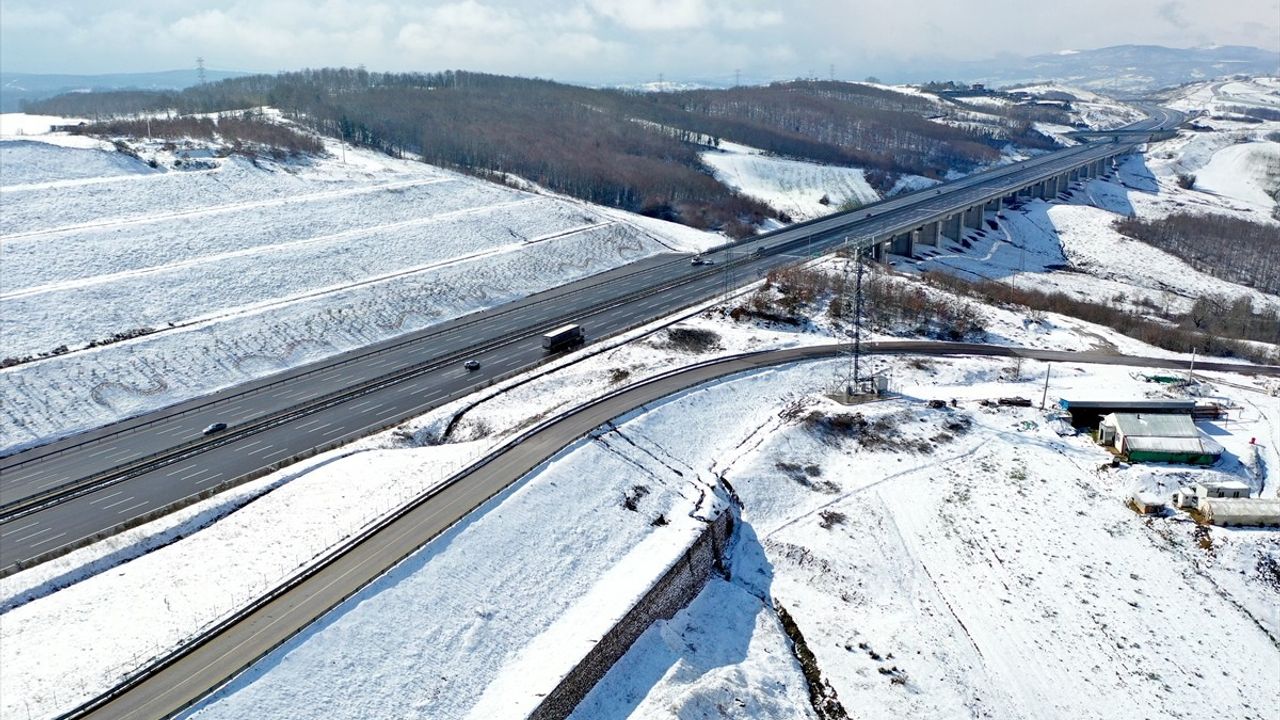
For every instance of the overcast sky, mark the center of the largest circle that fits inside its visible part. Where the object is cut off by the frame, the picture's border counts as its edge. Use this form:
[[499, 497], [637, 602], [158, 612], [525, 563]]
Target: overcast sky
[[600, 41]]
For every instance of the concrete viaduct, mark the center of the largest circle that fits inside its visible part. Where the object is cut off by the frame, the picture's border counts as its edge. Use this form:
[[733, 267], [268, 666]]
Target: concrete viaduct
[[951, 223]]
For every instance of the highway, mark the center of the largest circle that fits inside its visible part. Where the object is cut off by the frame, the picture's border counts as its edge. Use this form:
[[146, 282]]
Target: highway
[[182, 679], [59, 496]]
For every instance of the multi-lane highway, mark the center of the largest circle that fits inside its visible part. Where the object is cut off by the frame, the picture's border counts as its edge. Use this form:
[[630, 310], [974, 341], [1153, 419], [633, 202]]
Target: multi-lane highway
[[58, 496], [185, 677]]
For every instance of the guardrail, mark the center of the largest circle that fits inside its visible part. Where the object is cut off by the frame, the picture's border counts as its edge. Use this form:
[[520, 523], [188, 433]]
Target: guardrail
[[328, 558]]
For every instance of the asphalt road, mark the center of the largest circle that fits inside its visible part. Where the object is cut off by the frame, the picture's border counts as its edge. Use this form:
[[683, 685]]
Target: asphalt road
[[56, 497], [257, 630]]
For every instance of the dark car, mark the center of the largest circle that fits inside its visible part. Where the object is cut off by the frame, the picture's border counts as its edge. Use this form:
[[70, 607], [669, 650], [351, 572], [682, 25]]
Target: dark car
[[215, 427], [471, 365]]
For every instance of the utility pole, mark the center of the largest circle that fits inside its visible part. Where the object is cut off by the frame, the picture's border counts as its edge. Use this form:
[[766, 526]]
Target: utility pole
[[1045, 396]]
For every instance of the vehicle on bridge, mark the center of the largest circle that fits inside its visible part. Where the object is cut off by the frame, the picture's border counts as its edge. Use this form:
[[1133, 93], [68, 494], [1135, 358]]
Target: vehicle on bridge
[[699, 260], [563, 338], [215, 428]]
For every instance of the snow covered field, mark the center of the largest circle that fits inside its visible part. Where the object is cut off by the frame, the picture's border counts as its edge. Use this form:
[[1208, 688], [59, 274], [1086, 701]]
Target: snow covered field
[[969, 562], [1071, 245], [992, 572], [455, 590], [241, 268], [791, 186]]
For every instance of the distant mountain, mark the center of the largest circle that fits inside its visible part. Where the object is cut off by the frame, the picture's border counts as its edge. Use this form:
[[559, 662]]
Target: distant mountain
[[17, 87], [1125, 69]]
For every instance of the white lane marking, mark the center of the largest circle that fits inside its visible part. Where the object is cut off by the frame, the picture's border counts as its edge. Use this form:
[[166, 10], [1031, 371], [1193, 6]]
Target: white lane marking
[[49, 539], [262, 449], [37, 533], [196, 474], [7, 533], [118, 502], [105, 497], [251, 445], [133, 507]]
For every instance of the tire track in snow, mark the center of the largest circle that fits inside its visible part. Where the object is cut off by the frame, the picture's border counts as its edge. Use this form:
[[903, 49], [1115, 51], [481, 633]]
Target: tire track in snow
[[230, 207], [260, 250], [255, 308], [81, 182]]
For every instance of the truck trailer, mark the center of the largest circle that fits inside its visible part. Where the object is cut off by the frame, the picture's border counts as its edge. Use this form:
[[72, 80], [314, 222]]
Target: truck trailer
[[563, 338]]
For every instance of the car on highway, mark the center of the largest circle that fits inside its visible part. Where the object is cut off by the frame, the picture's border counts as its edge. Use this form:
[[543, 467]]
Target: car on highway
[[215, 427], [760, 251], [699, 260], [471, 365]]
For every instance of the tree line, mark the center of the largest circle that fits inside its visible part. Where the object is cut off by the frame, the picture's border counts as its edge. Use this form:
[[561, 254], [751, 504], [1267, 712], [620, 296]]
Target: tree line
[[1225, 247], [243, 133], [636, 151]]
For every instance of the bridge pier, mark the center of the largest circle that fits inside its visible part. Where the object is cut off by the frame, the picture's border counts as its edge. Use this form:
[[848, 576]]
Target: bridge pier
[[901, 244], [978, 211], [955, 226], [930, 232]]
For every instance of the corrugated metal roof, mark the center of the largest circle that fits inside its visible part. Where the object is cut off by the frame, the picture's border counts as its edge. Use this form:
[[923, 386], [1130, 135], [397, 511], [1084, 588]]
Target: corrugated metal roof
[[1241, 511], [1187, 405], [1165, 445], [1151, 425]]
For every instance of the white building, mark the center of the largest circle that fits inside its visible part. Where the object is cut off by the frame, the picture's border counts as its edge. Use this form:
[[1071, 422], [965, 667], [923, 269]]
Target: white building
[[1149, 437], [1241, 511], [1190, 497]]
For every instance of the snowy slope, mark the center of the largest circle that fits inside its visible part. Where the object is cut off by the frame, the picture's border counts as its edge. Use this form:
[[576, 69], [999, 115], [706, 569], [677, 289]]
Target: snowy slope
[[975, 564], [240, 268], [791, 186], [473, 627], [1248, 172]]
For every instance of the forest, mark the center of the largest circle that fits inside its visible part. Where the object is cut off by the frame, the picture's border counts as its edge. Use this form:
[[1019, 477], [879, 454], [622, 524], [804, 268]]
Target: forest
[[631, 150], [1222, 246]]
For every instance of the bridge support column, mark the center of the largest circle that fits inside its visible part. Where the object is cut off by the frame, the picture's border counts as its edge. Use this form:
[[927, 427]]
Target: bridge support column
[[901, 244], [975, 217], [929, 233], [955, 226]]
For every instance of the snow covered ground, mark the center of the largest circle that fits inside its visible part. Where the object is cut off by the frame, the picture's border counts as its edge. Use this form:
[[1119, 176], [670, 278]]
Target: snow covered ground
[[969, 562], [795, 187], [896, 586], [458, 590], [1071, 245], [239, 268]]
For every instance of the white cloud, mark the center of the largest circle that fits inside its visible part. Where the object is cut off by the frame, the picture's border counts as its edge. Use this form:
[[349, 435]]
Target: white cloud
[[595, 40]]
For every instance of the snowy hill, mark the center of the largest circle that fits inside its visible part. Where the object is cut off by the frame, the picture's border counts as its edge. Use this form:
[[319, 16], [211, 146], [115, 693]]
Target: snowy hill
[[1127, 69], [18, 87], [129, 287]]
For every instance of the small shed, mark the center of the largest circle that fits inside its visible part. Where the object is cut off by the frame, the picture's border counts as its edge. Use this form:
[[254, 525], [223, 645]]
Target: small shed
[[1087, 413], [1146, 503], [1144, 437], [1241, 511], [1190, 497]]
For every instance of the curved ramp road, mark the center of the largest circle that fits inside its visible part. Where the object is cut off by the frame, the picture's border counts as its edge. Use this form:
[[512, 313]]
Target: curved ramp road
[[60, 496], [182, 679]]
